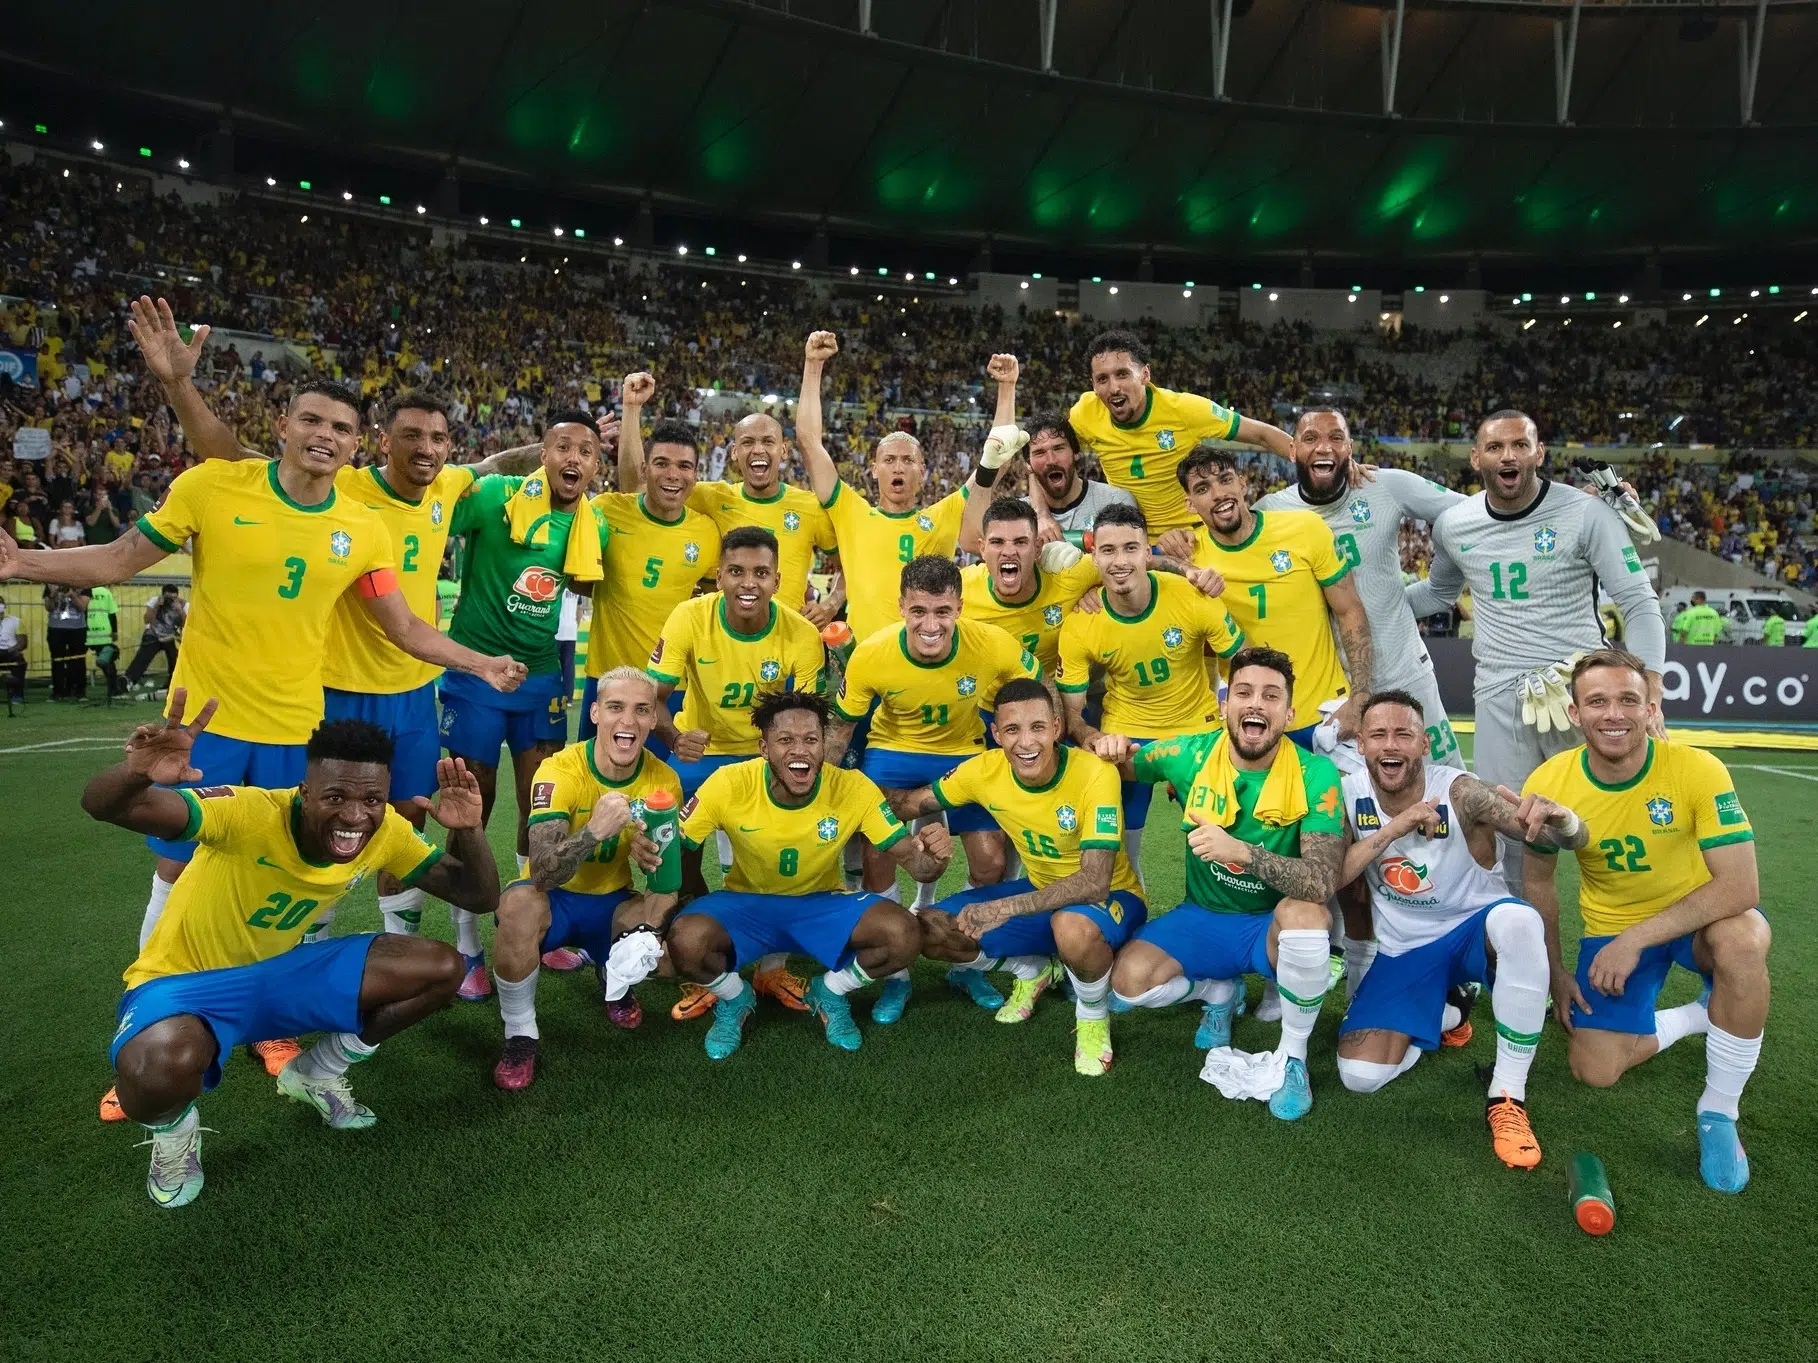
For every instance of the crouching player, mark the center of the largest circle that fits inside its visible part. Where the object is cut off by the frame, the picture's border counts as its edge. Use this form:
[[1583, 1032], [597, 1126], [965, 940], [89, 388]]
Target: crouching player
[[223, 965], [1062, 811], [1267, 841], [1667, 877], [1426, 846], [585, 806], [789, 816]]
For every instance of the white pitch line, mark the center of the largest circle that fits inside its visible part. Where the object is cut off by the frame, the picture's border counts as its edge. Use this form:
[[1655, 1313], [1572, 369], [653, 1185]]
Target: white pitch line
[[1778, 771], [65, 745]]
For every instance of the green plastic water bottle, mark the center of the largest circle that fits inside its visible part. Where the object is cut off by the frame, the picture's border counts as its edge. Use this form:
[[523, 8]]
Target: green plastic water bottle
[[840, 642], [663, 828], [1079, 539], [1593, 1206]]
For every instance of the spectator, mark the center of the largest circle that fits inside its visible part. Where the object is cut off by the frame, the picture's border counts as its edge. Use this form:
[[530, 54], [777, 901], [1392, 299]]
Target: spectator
[[16, 523], [66, 530], [12, 654], [164, 618], [103, 621], [66, 615]]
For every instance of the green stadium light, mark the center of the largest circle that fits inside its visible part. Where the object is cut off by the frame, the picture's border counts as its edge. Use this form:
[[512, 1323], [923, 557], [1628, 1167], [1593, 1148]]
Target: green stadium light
[[302, 184], [883, 269], [1189, 283], [1357, 288], [1036, 275], [517, 222], [39, 128], [1716, 293], [927, 274], [581, 232], [1097, 280], [708, 250], [1420, 288], [1527, 298], [385, 199], [1256, 286], [1590, 298], [145, 151], [1773, 288]]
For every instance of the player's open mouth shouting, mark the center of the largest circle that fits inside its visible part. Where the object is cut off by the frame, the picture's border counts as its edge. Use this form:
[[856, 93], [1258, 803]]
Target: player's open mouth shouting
[[623, 745], [1507, 476], [347, 833], [1227, 512]]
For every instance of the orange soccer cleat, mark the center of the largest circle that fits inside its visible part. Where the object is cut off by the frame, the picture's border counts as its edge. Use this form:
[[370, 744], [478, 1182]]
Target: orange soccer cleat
[[276, 1054], [111, 1111], [789, 990], [696, 1002], [1511, 1136]]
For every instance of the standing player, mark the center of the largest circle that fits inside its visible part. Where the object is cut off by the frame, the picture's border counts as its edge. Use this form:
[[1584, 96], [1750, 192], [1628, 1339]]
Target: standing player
[[1150, 641], [789, 814], [1425, 843], [1066, 503], [1533, 553], [1011, 590], [586, 811], [1141, 432], [1267, 843], [1079, 901], [224, 965], [1667, 876]]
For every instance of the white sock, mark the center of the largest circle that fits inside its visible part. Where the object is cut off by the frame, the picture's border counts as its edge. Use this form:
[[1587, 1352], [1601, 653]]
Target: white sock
[[845, 981], [1159, 996], [1359, 957], [1674, 1024], [467, 931], [1450, 1017], [518, 1004], [1091, 998], [1213, 991], [403, 912], [331, 1055], [1518, 998], [1302, 974], [925, 895], [154, 907], [1133, 848], [724, 844], [1366, 1076], [902, 975], [726, 986], [317, 930], [182, 1124], [978, 962], [1728, 1062], [776, 960], [1268, 1007], [894, 894], [1026, 967]]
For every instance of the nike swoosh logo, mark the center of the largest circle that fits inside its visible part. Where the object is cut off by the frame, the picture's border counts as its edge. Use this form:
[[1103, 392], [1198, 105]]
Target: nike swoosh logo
[[899, 691], [274, 865], [706, 662], [746, 829], [995, 809], [238, 521], [1466, 548]]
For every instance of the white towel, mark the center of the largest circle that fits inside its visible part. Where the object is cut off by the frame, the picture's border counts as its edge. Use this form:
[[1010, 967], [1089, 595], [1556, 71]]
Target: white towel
[[634, 956], [1245, 1074]]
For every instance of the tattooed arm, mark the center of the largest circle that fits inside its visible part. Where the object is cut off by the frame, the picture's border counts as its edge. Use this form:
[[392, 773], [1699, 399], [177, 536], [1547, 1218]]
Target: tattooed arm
[[1532, 818], [1311, 876], [1347, 609], [909, 805], [556, 854], [1088, 885]]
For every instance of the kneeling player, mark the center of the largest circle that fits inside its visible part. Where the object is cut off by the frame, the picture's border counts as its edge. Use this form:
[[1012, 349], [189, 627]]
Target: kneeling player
[[789, 816], [1061, 809], [1426, 846], [1666, 863], [585, 803], [223, 965], [1267, 842]]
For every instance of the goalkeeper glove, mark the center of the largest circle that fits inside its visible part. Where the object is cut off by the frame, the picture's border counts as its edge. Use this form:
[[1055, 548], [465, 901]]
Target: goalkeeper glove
[[1533, 693], [1057, 556], [1558, 695], [1001, 446], [1609, 487]]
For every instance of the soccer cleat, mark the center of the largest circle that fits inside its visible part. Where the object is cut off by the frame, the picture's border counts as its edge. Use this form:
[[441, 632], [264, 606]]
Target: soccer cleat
[[563, 959], [1294, 1099], [1721, 1159], [835, 1013], [476, 984], [1463, 997], [276, 1054], [1023, 995], [1091, 1046], [1215, 1025], [787, 989], [111, 1111], [1511, 1136], [974, 985], [175, 1177], [333, 1098], [626, 1013], [891, 1000], [517, 1064], [696, 1002], [729, 1019]]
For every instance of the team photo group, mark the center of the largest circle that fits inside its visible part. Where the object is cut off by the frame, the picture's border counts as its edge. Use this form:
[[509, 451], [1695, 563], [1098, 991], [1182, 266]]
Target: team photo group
[[802, 703]]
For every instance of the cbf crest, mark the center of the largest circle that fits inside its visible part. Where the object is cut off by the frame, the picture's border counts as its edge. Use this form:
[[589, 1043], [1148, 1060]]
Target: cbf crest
[[1660, 811], [791, 521], [435, 512], [967, 684], [827, 829], [1281, 561], [1172, 636], [340, 544], [691, 552], [533, 486], [1052, 615], [1546, 540], [770, 670], [1164, 440], [1360, 511], [924, 522], [1067, 817]]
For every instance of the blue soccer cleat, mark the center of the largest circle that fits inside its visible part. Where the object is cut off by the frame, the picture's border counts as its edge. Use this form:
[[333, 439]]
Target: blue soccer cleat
[[729, 1019], [1215, 1025], [891, 1000], [1721, 1158], [835, 1012], [1294, 1099], [974, 985]]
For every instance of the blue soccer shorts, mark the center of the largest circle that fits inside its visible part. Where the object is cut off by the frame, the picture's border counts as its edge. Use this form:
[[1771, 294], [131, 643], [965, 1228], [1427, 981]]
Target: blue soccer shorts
[[818, 925], [692, 774], [1633, 1010], [1032, 934], [894, 770], [313, 987], [581, 920], [410, 718], [1407, 993], [1213, 946], [227, 761], [477, 720]]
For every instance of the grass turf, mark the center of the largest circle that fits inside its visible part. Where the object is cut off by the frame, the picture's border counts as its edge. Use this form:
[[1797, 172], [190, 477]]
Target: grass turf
[[952, 1190]]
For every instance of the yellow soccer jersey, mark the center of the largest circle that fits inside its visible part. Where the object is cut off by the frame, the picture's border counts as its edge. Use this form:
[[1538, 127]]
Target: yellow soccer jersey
[[726, 672], [568, 786], [1154, 663], [360, 658], [1142, 457], [652, 567], [931, 707], [792, 515], [788, 849], [1648, 835], [1036, 623], [874, 545], [1048, 825], [1275, 585], [267, 576], [250, 894]]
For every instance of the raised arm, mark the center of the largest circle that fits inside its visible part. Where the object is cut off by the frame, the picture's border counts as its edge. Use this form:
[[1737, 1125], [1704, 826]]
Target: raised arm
[[634, 394], [823, 473], [556, 854], [520, 459], [134, 793], [423, 640], [1361, 852], [92, 565], [465, 874], [171, 363], [1250, 431]]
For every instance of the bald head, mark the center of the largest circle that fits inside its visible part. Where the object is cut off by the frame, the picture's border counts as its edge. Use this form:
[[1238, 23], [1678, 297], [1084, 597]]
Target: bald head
[[759, 452]]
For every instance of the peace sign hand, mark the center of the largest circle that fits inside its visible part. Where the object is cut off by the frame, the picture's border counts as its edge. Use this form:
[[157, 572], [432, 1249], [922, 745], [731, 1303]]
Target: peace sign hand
[[159, 751]]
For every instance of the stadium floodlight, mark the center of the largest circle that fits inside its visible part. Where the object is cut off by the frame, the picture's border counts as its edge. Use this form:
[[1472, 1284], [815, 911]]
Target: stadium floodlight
[[618, 241], [1801, 316], [952, 280], [1615, 324], [96, 144], [1685, 298], [1274, 297], [484, 220], [795, 264], [855, 269], [1622, 298], [1530, 322], [1737, 321], [182, 164], [880, 298], [347, 195], [1445, 298], [1186, 293], [421, 209], [1023, 285], [304, 218], [269, 182], [1350, 298], [1700, 322], [557, 231], [1382, 316], [681, 250], [1566, 323], [1514, 302], [1754, 293], [909, 276], [1565, 298], [1114, 288], [741, 257]]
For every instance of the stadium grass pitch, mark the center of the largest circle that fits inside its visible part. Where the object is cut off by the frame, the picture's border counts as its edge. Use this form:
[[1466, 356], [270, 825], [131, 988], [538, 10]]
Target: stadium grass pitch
[[951, 1191]]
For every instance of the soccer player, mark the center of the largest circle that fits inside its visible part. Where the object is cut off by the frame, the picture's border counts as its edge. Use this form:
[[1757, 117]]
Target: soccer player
[[1141, 432], [1010, 590], [1425, 844], [224, 965], [1667, 876], [586, 811], [1533, 553], [1366, 527], [1266, 837], [1066, 503], [930, 677], [1286, 585], [1080, 900], [1150, 641], [789, 813]]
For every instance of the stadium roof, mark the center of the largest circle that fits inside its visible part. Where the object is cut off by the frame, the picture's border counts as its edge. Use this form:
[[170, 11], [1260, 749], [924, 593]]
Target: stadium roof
[[944, 126]]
